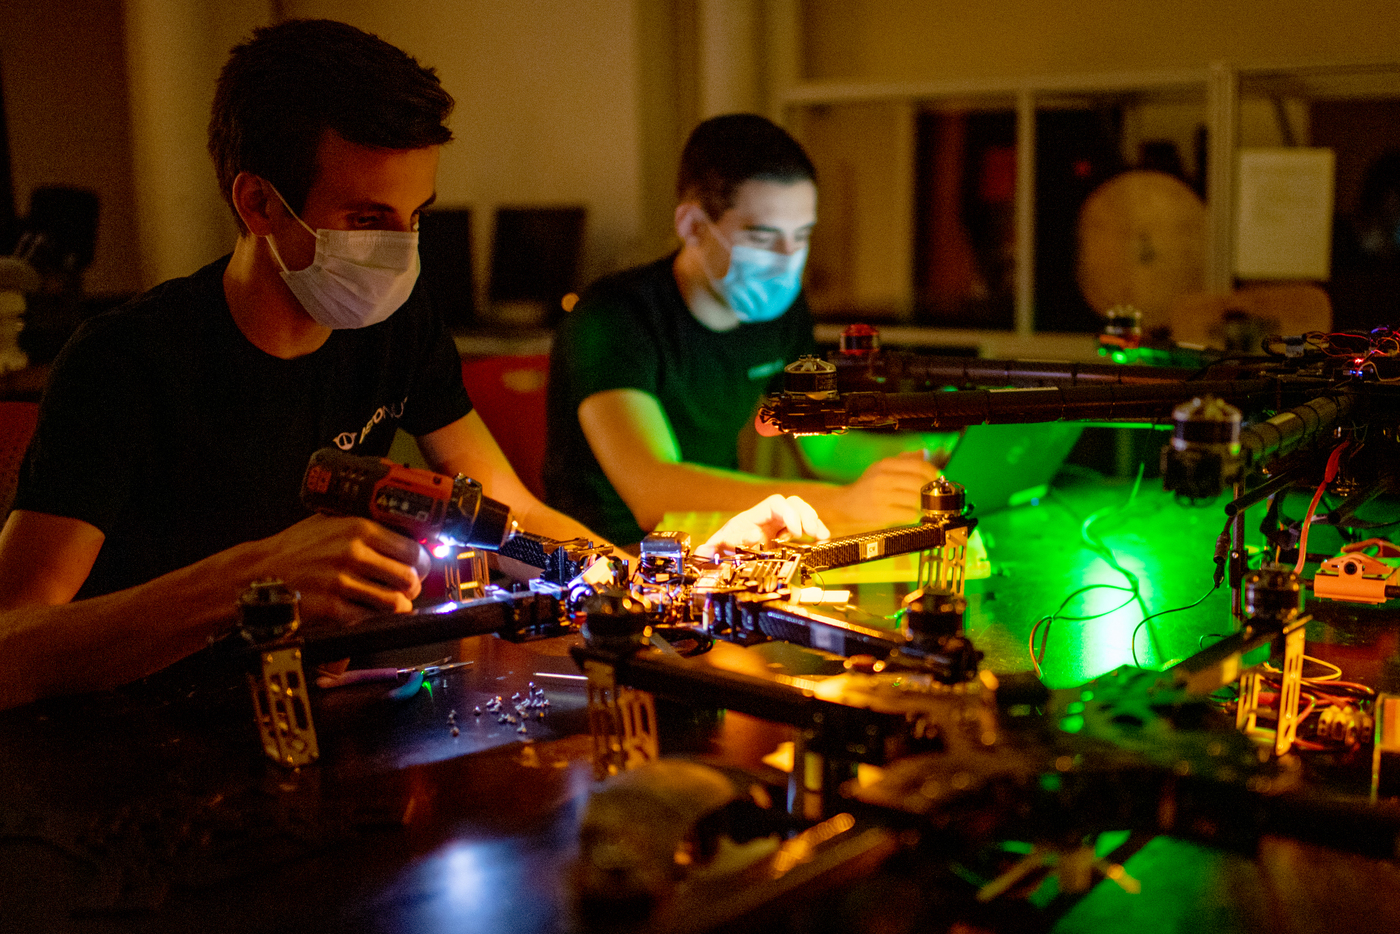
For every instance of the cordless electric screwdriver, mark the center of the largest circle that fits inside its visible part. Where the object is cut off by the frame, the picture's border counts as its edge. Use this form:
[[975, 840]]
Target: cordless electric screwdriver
[[429, 507]]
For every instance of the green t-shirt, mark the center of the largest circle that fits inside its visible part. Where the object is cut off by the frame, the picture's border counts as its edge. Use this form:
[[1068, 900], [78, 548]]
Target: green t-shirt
[[634, 331]]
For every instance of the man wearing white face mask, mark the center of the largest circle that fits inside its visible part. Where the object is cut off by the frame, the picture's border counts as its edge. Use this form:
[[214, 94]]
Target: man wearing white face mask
[[357, 278], [657, 369], [166, 469]]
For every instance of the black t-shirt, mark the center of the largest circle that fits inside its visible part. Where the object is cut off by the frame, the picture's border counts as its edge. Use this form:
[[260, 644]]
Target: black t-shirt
[[165, 428], [633, 330]]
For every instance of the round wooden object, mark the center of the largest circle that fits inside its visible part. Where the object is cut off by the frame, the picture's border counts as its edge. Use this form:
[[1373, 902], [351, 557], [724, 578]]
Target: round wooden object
[[1142, 242]]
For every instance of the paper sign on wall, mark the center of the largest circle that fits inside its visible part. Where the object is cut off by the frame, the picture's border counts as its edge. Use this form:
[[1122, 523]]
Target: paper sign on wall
[[1283, 215]]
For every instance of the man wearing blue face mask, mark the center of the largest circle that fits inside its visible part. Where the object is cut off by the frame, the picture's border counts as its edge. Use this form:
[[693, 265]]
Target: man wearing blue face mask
[[657, 369], [166, 469]]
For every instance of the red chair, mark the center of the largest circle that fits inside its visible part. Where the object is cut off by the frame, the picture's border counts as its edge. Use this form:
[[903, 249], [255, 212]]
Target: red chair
[[509, 392], [17, 422]]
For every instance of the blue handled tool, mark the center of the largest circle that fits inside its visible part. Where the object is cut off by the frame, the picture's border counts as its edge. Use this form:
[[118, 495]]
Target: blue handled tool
[[362, 675], [412, 686]]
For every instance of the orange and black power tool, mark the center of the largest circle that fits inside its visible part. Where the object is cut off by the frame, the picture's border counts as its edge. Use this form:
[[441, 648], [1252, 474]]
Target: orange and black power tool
[[427, 506]]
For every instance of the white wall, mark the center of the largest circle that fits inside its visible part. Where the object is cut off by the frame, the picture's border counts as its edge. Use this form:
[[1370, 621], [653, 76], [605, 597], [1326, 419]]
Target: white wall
[[66, 104], [115, 96], [547, 107], [175, 49], [911, 40]]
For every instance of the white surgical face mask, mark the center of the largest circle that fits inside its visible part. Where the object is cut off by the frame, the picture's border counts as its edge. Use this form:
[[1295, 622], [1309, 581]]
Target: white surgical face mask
[[761, 285], [358, 277]]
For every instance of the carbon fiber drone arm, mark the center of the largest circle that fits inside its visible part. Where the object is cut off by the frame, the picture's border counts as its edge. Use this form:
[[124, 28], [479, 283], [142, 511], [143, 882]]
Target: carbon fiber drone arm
[[1291, 429], [888, 368], [801, 413]]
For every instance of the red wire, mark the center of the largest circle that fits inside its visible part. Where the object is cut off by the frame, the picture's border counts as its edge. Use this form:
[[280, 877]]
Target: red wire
[[1350, 684], [1030, 644], [1328, 476]]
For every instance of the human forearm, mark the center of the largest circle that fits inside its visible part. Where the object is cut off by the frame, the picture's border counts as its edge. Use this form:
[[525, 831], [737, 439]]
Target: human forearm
[[887, 493], [534, 516], [631, 438], [343, 569], [658, 488], [106, 641]]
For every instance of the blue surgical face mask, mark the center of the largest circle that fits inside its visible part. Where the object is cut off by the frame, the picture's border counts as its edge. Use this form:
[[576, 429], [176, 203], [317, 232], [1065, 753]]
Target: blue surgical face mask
[[761, 285]]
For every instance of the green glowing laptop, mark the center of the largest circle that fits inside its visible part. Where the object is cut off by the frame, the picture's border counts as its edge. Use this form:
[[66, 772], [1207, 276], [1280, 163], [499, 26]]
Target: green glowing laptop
[[1007, 465]]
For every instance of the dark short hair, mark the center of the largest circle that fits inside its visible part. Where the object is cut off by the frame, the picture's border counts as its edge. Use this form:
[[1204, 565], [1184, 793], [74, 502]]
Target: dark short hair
[[726, 151], [285, 86]]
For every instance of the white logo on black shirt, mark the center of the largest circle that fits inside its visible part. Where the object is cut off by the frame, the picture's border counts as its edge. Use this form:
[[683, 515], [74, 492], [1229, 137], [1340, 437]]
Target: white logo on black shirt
[[348, 439]]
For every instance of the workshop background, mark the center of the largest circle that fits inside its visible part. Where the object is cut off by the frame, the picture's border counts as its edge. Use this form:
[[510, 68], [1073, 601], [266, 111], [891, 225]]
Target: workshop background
[[560, 102]]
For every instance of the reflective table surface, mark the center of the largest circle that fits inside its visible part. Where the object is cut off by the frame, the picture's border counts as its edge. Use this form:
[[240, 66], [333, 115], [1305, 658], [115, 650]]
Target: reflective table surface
[[152, 809]]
